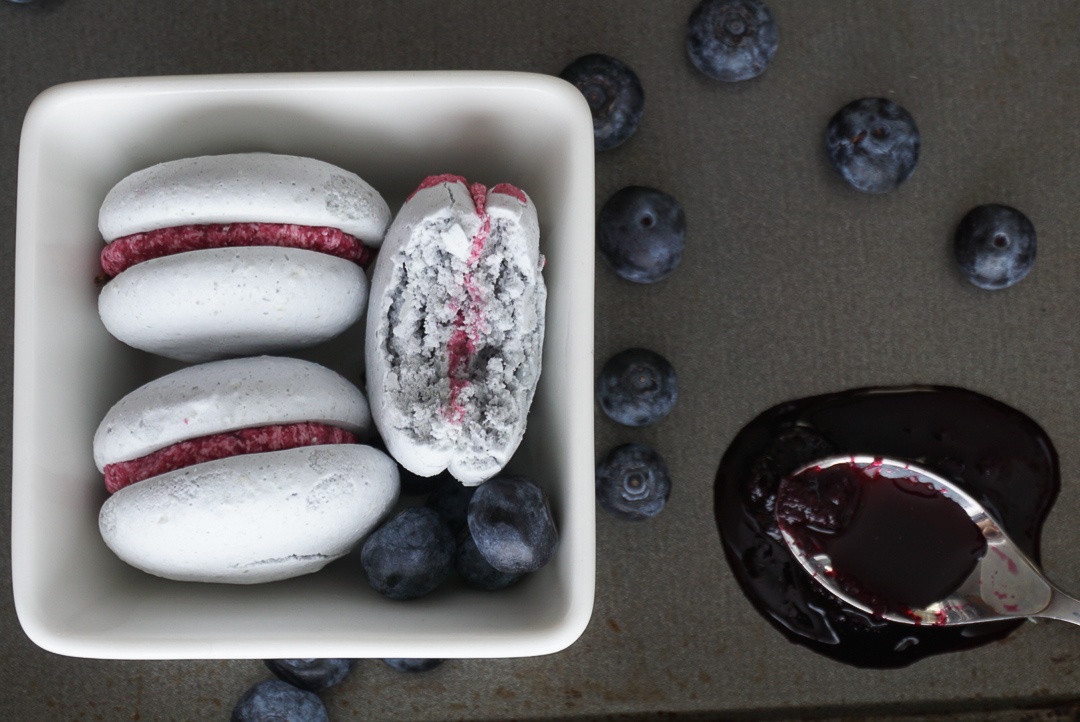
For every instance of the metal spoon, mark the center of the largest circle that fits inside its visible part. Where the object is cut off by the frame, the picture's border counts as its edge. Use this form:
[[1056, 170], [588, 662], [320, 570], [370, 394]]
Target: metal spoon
[[1004, 584]]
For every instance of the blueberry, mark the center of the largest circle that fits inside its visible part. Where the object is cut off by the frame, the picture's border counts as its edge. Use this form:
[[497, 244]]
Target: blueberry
[[614, 94], [277, 700], [413, 665], [409, 555], [994, 246], [640, 233], [731, 40], [314, 675], [632, 482], [637, 387], [511, 523], [451, 500], [477, 572], [873, 144]]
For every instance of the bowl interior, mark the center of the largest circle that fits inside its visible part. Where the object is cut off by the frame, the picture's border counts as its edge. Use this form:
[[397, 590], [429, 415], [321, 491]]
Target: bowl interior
[[72, 595]]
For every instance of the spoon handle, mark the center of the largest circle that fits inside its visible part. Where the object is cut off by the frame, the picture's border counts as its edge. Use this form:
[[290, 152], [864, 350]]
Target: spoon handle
[[1062, 607]]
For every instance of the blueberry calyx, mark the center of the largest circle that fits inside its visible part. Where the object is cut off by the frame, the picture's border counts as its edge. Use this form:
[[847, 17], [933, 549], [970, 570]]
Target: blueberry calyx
[[731, 40], [632, 482], [995, 246], [873, 144], [641, 233], [637, 387], [614, 94]]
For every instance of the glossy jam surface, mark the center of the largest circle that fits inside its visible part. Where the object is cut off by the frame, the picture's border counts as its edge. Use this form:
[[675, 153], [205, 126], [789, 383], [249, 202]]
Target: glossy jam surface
[[895, 544], [998, 455]]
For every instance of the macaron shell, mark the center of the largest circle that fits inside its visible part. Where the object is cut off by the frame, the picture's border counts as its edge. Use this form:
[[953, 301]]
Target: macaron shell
[[211, 304], [252, 519], [253, 187], [222, 396]]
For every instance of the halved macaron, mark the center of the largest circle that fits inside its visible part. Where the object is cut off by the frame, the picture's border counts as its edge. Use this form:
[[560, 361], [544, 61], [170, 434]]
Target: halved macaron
[[455, 328]]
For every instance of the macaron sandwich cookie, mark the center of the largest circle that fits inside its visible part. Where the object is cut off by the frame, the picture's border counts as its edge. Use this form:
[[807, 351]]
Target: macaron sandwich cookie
[[232, 255], [241, 471]]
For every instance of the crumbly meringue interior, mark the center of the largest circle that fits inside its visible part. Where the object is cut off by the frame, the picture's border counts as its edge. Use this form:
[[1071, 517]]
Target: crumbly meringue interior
[[467, 332]]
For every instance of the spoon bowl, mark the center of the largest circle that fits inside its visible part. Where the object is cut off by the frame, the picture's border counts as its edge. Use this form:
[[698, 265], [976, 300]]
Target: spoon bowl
[[1002, 582]]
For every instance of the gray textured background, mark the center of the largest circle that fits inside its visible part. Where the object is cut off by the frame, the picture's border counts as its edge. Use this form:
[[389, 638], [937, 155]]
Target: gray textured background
[[792, 284]]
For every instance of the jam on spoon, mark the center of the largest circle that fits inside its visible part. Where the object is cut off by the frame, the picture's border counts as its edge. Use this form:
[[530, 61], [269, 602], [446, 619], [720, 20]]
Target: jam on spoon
[[906, 544]]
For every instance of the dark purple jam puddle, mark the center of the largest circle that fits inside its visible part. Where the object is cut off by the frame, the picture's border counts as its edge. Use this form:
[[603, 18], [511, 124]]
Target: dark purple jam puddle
[[998, 455], [896, 544]]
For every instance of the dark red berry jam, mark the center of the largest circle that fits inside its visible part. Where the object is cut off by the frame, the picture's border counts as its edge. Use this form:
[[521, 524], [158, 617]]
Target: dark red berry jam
[[998, 455], [895, 544]]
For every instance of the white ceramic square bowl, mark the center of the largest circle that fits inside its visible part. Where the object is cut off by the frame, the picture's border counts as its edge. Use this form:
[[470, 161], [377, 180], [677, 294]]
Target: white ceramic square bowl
[[72, 595]]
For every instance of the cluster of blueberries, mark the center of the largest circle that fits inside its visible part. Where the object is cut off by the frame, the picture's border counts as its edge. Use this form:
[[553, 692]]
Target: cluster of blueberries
[[641, 234], [293, 693], [491, 534], [872, 143]]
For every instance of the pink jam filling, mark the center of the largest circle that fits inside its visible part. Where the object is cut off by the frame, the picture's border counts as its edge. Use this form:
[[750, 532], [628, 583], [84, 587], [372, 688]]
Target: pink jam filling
[[277, 437], [434, 180], [125, 252], [469, 322], [508, 190]]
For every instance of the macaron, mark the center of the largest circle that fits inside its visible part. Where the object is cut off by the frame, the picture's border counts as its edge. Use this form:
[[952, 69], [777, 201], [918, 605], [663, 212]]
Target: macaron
[[241, 471], [455, 328], [241, 254]]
